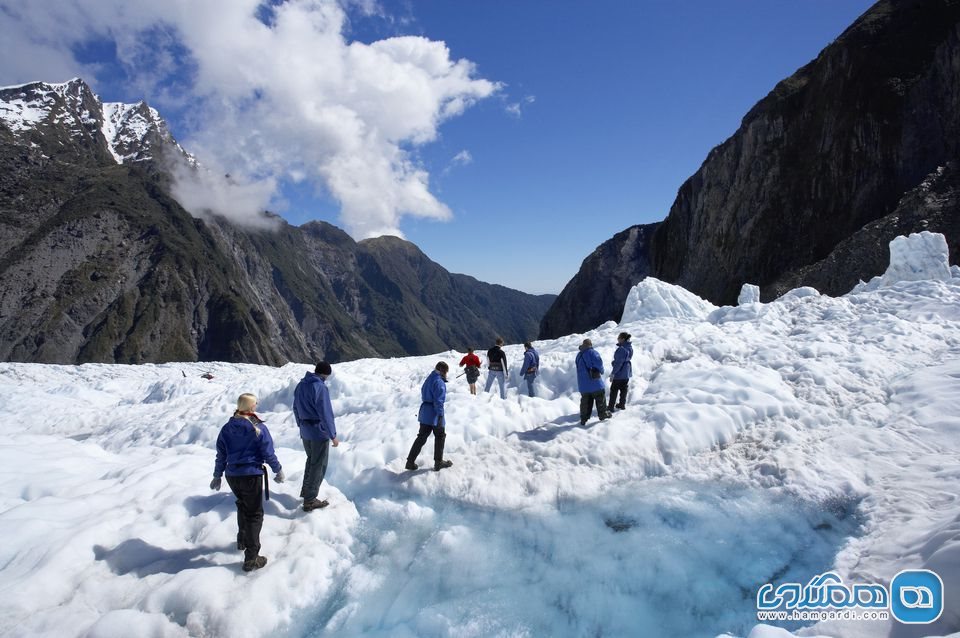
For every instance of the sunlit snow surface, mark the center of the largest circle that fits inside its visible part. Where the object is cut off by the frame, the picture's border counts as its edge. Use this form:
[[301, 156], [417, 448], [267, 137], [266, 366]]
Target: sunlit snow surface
[[764, 442]]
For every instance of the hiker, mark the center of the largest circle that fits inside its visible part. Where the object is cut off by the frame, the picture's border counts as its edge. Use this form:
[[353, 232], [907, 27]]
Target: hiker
[[314, 415], [497, 367], [243, 446], [433, 393], [531, 366], [590, 382], [472, 371], [621, 372]]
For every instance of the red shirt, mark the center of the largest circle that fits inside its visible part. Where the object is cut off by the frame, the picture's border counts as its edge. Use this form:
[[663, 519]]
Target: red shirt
[[470, 360]]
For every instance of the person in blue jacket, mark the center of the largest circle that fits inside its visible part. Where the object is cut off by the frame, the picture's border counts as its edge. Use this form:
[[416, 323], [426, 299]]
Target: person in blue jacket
[[243, 446], [530, 366], [590, 382], [433, 393], [621, 371], [314, 415]]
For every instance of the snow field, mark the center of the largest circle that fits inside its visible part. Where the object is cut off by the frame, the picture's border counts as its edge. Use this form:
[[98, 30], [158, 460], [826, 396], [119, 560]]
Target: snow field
[[761, 443]]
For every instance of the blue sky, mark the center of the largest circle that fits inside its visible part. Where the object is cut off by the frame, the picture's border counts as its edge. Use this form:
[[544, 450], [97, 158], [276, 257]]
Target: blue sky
[[507, 141]]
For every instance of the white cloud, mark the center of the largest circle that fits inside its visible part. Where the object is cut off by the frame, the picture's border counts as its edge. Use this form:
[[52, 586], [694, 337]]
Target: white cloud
[[205, 192], [463, 158], [516, 108], [291, 99]]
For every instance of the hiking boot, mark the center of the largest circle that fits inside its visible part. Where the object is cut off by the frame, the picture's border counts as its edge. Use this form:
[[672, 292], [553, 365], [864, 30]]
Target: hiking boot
[[254, 563], [583, 421], [314, 504], [439, 465], [621, 407], [411, 466]]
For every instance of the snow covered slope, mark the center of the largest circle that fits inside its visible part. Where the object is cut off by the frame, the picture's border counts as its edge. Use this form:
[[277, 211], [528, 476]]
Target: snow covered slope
[[762, 443], [130, 132]]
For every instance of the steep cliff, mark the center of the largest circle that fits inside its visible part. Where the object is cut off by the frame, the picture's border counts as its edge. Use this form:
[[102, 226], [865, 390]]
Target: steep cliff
[[839, 158], [832, 148]]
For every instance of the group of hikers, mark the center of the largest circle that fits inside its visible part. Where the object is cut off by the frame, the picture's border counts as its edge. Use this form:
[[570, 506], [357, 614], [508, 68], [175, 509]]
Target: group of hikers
[[497, 367], [245, 447]]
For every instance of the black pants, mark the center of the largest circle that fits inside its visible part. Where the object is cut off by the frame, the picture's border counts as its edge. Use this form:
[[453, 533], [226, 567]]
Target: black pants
[[586, 405], [439, 436], [618, 385], [249, 493]]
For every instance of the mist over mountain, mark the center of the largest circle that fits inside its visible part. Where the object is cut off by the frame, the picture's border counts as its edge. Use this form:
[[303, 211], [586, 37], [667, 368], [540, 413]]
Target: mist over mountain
[[102, 263], [855, 148]]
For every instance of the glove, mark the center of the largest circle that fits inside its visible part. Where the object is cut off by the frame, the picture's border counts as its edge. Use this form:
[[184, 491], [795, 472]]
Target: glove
[[280, 477], [215, 483]]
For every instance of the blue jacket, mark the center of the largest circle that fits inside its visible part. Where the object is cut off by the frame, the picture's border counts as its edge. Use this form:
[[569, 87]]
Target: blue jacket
[[587, 359], [621, 367], [312, 409], [241, 451], [433, 393], [530, 360]]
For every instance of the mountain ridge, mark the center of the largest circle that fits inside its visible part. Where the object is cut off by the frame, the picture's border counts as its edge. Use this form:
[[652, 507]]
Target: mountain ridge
[[101, 263]]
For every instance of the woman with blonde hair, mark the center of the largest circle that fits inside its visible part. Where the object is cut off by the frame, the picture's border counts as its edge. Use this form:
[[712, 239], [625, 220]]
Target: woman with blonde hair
[[243, 446]]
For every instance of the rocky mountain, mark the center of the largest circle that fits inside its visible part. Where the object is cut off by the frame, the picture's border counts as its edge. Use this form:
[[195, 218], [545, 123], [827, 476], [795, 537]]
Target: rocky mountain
[[857, 146], [99, 263]]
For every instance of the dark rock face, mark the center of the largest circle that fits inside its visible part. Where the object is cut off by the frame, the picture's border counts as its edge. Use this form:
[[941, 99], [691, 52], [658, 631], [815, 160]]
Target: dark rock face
[[856, 147], [831, 149], [597, 292], [933, 206], [98, 263]]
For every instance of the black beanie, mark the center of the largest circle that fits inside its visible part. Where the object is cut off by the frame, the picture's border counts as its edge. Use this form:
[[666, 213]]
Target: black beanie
[[324, 368]]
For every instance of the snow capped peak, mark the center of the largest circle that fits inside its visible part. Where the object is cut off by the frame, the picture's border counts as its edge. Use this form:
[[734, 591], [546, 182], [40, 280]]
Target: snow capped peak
[[24, 107], [62, 88], [76, 88], [117, 126], [131, 132]]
